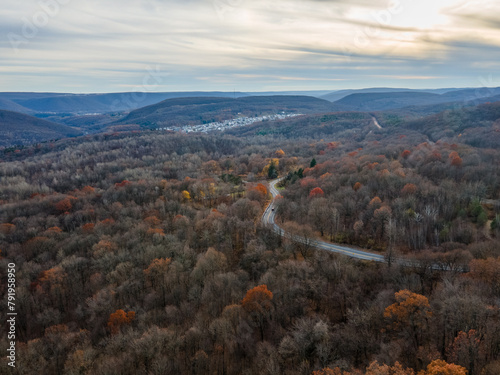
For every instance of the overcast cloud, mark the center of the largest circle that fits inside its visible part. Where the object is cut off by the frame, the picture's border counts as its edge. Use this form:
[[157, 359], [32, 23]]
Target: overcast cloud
[[247, 45]]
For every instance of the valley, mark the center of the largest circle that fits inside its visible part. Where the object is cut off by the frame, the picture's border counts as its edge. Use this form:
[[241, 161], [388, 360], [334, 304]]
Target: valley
[[179, 239]]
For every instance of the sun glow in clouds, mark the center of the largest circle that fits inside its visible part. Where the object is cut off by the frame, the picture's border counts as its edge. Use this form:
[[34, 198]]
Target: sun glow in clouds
[[423, 14], [106, 43]]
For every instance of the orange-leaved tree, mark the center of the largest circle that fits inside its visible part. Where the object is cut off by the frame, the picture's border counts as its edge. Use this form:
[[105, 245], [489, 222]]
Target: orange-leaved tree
[[257, 303], [382, 369], [409, 189], [118, 319], [440, 367], [376, 202], [7, 228], [316, 193], [279, 153], [63, 205], [467, 349], [405, 154], [409, 315]]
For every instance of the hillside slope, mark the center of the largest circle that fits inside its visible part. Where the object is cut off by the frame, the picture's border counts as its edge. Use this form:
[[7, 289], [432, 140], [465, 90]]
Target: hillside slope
[[385, 101], [191, 111], [337, 95], [18, 128], [381, 101], [9, 105], [98, 103], [477, 126]]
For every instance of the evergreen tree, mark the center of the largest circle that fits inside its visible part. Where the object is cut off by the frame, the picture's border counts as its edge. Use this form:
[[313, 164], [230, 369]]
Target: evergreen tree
[[272, 172]]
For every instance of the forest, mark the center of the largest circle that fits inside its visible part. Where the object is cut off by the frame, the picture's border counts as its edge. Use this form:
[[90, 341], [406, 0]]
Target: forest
[[144, 252]]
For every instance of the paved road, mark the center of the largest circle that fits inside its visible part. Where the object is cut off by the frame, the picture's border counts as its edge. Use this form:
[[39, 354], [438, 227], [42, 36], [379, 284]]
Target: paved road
[[375, 122], [269, 216]]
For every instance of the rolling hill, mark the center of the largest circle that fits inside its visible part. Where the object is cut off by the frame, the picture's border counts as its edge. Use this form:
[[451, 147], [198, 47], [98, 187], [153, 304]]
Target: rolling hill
[[100, 103], [475, 125], [97, 103], [347, 125], [385, 101], [337, 95], [9, 105], [191, 111], [18, 129], [381, 101], [478, 126]]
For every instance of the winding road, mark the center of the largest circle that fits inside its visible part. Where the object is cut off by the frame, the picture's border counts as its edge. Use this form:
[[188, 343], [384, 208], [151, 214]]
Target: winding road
[[268, 219], [375, 122]]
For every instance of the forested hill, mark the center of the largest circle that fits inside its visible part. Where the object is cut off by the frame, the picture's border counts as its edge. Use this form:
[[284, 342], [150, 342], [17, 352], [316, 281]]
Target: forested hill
[[192, 111], [340, 124], [382, 101], [18, 128], [93, 103], [478, 126], [9, 105], [144, 253]]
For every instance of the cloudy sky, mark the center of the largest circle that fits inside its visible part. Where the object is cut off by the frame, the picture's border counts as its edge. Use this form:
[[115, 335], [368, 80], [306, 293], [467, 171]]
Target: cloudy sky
[[247, 45]]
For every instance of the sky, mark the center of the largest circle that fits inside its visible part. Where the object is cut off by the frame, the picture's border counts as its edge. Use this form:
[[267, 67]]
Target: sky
[[247, 45]]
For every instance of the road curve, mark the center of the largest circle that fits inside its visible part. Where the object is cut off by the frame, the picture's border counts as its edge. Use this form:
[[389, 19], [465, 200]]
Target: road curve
[[268, 219], [375, 122]]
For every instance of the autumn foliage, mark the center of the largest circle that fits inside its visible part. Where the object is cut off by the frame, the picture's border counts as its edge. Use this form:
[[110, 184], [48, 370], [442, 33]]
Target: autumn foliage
[[122, 184], [54, 230], [157, 270], [455, 159], [375, 202], [486, 271], [316, 192], [119, 319], [216, 292], [357, 186], [409, 309], [466, 349], [260, 188], [382, 369], [280, 153], [88, 189], [440, 367], [88, 228], [7, 228], [63, 205], [157, 231], [409, 189], [405, 154], [258, 299]]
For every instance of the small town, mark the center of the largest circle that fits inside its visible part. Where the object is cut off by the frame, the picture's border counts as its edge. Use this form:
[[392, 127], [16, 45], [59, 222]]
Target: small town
[[227, 124]]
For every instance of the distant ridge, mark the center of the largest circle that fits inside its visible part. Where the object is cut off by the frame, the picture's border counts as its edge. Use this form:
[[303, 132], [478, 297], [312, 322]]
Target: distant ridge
[[384, 101], [9, 105], [395, 100], [337, 95], [98, 103], [18, 128]]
